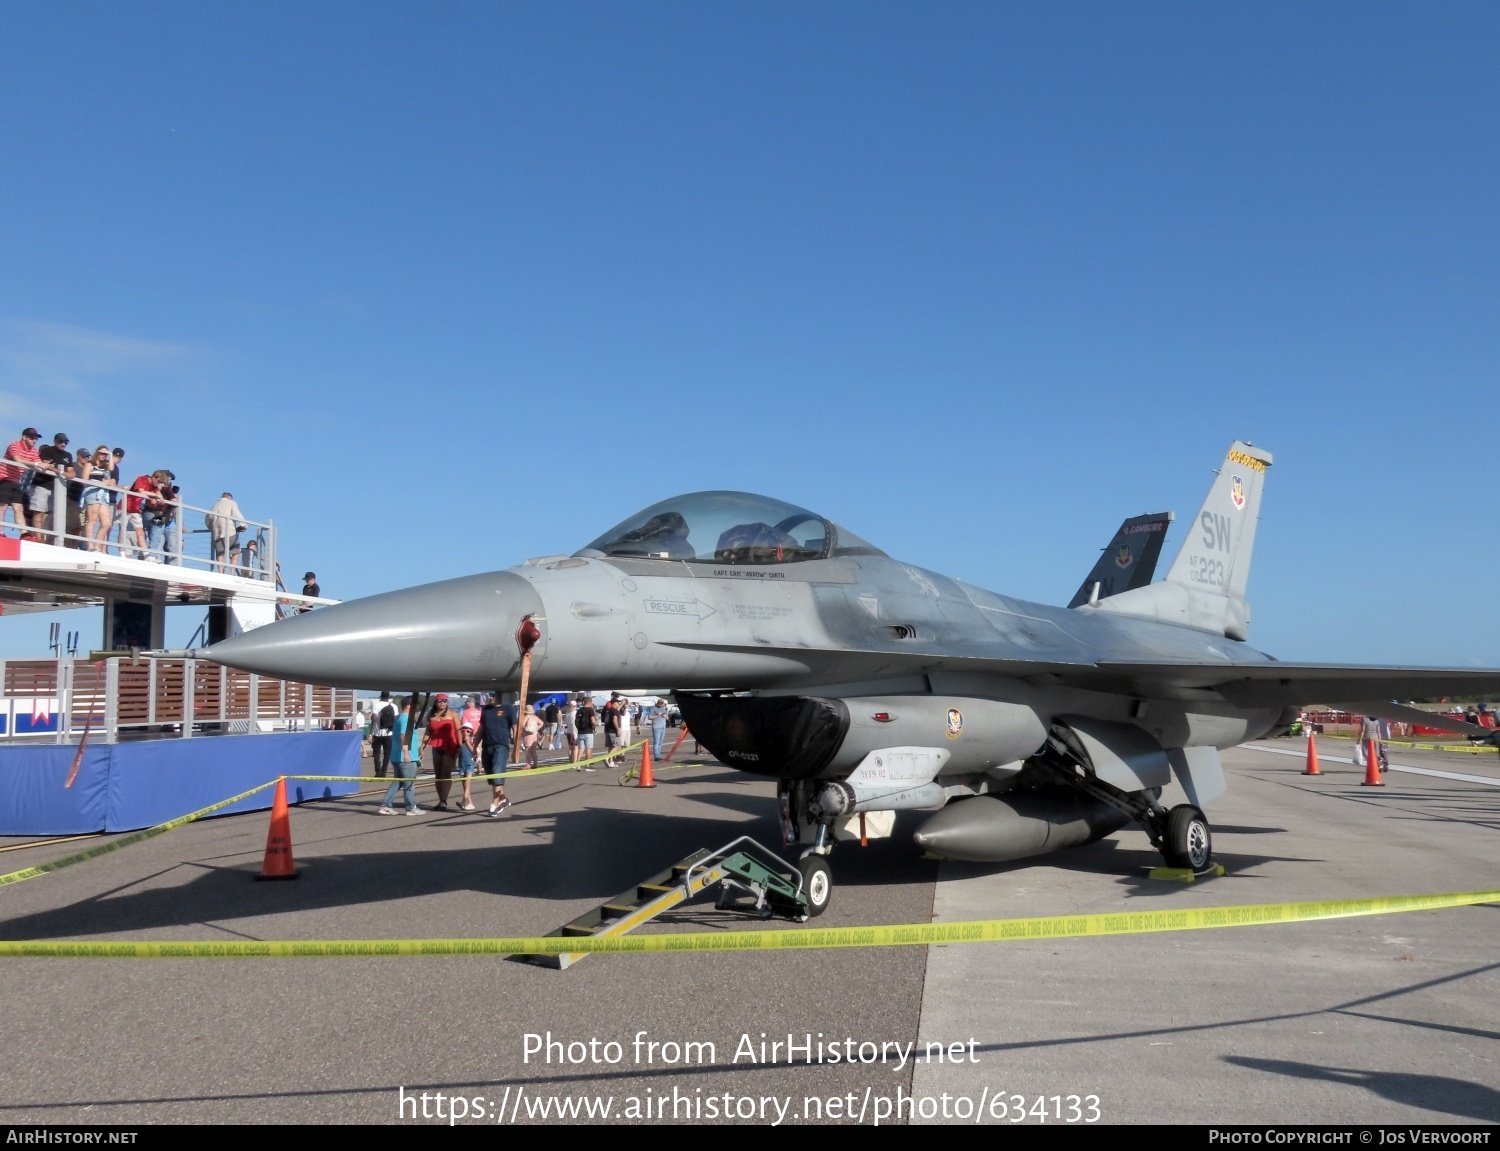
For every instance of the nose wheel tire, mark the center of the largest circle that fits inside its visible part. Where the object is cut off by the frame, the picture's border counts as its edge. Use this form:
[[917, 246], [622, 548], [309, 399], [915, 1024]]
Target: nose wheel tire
[[1189, 842], [817, 883]]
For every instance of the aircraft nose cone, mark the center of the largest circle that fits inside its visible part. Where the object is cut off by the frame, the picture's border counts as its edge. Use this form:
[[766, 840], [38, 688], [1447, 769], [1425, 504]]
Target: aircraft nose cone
[[457, 633]]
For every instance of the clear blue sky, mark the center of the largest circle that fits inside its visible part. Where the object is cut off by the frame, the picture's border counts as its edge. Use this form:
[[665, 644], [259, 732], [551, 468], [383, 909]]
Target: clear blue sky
[[439, 287]]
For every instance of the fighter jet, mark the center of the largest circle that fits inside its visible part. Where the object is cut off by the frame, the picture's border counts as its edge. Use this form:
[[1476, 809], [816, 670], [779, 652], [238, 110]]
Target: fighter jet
[[866, 686]]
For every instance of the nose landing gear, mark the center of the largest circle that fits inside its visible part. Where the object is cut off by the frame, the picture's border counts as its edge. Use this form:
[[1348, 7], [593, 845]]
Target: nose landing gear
[[817, 883], [801, 816]]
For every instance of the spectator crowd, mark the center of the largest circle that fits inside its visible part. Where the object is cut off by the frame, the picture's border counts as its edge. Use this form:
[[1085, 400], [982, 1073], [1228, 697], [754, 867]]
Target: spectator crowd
[[483, 736], [101, 513]]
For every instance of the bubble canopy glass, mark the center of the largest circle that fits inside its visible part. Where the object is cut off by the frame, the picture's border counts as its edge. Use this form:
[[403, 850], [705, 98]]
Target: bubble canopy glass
[[728, 528]]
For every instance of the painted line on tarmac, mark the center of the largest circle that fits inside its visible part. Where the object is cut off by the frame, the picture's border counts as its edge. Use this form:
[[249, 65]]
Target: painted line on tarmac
[[1490, 780], [888, 935]]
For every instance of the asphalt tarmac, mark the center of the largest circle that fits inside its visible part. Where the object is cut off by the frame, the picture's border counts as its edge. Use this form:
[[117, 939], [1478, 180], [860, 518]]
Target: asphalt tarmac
[[1391, 1018], [1387, 1019]]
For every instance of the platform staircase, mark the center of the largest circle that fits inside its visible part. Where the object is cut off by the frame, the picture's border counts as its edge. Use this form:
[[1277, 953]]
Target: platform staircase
[[750, 877]]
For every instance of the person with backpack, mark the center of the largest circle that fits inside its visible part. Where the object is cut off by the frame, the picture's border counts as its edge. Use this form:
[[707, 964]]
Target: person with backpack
[[585, 719], [382, 725], [552, 732]]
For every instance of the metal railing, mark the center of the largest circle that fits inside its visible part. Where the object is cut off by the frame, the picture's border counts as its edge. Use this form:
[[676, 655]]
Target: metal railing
[[164, 537], [57, 700]]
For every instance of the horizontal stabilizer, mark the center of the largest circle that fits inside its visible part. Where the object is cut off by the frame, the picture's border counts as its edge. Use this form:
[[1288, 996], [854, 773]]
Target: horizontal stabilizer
[[1128, 562], [1400, 713]]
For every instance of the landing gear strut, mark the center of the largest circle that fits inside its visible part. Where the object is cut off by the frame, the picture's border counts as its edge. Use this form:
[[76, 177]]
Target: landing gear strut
[[1182, 835], [801, 816]]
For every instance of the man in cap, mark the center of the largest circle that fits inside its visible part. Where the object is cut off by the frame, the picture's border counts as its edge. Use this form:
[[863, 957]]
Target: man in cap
[[143, 490], [119, 497], [382, 727], [494, 748], [309, 587], [612, 730], [20, 458], [56, 460], [658, 727]]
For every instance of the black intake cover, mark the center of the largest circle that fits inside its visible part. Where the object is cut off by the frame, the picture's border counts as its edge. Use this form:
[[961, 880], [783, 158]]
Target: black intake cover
[[790, 737]]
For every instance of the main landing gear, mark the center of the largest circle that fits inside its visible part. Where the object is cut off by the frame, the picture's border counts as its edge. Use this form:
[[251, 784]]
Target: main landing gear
[[1188, 842], [1182, 834]]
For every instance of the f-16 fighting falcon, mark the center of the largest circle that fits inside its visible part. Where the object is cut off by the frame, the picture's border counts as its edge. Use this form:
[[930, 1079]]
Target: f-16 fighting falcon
[[866, 686]]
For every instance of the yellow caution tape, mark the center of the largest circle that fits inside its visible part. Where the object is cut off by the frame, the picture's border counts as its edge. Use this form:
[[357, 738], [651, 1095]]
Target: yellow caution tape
[[456, 778], [889, 935], [182, 820], [1466, 748], [126, 841]]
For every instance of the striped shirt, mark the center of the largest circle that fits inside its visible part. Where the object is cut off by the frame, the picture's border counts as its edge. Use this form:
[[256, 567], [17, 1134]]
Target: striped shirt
[[19, 450]]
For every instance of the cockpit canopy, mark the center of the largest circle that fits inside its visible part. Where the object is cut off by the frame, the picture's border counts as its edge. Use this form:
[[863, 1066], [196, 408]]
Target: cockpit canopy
[[728, 528]]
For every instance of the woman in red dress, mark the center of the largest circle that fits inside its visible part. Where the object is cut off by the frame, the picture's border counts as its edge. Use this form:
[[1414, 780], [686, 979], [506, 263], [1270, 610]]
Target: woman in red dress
[[442, 736]]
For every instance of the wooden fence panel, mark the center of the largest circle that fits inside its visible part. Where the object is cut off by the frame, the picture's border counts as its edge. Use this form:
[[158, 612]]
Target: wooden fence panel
[[154, 692], [135, 691], [30, 677]]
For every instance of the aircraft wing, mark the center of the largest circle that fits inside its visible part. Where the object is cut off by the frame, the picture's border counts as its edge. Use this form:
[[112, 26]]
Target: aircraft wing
[[1278, 684], [1271, 684]]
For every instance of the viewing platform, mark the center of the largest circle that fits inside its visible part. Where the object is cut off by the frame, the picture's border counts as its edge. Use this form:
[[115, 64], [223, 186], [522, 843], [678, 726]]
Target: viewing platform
[[134, 575], [114, 741]]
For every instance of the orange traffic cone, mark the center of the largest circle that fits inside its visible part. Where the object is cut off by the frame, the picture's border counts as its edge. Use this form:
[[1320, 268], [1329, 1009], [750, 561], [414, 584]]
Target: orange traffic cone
[[1372, 765], [278, 861], [647, 780], [1312, 756]]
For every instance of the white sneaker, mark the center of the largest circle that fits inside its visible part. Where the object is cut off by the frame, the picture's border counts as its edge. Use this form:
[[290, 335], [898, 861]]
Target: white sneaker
[[466, 807], [413, 811], [387, 811]]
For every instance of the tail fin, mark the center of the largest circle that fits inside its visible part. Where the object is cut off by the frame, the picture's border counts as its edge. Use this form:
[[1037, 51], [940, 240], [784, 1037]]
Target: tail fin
[[1128, 562], [1205, 586]]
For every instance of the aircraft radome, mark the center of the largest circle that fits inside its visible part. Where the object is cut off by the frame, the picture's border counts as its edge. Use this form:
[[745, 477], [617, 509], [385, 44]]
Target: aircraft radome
[[865, 686]]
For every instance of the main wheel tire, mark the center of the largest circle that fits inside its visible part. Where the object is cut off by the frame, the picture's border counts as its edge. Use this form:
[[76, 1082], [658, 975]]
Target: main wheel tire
[[817, 883], [1189, 841]]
